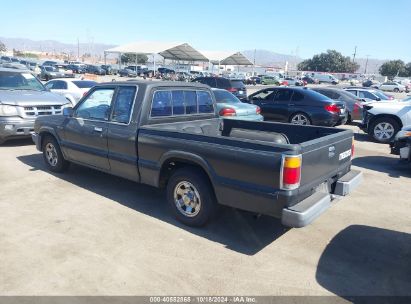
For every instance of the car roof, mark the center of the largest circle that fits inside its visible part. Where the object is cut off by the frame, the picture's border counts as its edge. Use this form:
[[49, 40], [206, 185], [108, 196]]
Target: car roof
[[154, 84], [14, 70]]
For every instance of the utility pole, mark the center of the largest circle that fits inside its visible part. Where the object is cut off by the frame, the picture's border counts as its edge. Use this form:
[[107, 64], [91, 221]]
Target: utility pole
[[355, 53], [366, 64]]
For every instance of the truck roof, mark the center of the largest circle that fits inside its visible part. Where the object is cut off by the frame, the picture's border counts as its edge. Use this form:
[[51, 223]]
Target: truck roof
[[154, 84]]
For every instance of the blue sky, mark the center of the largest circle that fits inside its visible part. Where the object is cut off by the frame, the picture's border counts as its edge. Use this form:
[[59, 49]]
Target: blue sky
[[379, 28]]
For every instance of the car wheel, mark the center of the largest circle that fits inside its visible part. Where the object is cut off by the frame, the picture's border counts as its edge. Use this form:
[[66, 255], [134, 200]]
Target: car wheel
[[300, 119], [383, 129], [396, 90], [191, 197], [52, 155]]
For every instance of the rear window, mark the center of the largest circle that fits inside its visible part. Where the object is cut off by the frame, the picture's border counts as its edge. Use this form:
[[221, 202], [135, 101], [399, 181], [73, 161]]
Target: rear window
[[84, 84], [181, 102], [237, 84]]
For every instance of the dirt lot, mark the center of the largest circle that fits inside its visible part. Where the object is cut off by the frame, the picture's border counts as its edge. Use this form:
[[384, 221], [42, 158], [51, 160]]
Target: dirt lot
[[88, 233]]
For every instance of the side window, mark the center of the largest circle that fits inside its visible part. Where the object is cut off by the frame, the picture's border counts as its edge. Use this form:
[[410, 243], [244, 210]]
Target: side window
[[50, 85], [367, 95], [264, 95], [161, 105], [210, 81], [205, 102], [283, 95], [297, 96], [191, 102], [96, 105], [123, 105], [59, 85], [353, 92]]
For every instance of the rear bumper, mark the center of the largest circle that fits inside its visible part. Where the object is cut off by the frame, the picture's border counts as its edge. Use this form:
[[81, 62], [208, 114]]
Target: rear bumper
[[306, 211]]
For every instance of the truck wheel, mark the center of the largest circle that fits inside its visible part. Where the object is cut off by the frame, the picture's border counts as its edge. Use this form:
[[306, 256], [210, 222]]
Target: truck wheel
[[191, 197], [52, 155], [383, 129], [300, 119]]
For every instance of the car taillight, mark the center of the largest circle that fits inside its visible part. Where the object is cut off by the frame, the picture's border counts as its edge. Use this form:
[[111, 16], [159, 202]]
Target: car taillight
[[290, 172], [258, 110], [232, 90], [227, 112], [285, 83], [332, 108]]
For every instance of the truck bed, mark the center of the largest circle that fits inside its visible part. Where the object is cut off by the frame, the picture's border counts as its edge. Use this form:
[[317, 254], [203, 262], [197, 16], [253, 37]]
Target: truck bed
[[245, 171]]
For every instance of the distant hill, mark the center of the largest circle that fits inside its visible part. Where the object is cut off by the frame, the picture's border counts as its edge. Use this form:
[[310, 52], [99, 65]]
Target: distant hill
[[50, 46]]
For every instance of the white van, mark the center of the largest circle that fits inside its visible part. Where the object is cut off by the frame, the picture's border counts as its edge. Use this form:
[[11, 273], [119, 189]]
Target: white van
[[328, 78]]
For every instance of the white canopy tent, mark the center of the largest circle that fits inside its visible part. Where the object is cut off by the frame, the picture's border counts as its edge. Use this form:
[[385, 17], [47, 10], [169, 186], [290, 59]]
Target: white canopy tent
[[168, 50], [227, 58]]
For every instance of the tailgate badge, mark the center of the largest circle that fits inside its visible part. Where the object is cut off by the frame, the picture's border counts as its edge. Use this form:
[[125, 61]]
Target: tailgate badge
[[331, 152]]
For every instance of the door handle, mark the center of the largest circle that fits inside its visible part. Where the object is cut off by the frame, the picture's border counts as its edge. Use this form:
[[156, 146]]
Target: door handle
[[97, 129]]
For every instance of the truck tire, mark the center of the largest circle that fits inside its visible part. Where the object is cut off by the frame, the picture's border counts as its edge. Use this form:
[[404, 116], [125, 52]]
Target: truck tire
[[52, 155], [191, 197], [383, 129]]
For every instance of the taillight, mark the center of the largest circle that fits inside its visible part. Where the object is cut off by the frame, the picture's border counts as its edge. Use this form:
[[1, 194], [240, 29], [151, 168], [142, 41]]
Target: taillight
[[332, 108], [290, 172], [227, 112], [285, 83], [232, 90], [258, 110]]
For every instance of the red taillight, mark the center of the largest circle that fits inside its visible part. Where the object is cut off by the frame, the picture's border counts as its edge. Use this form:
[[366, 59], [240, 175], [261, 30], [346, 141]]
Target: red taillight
[[258, 110], [227, 112], [285, 83], [290, 172], [232, 90], [332, 108]]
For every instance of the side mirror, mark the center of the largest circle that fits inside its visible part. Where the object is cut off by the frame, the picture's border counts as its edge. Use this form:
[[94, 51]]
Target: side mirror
[[68, 111], [378, 99]]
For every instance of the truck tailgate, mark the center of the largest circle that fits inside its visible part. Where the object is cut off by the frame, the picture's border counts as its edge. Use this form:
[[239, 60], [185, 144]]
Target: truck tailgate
[[325, 159]]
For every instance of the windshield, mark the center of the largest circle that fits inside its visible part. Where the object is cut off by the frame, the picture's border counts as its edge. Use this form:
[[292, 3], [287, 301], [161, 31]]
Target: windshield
[[50, 69], [223, 96], [19, 81], [84, 84]]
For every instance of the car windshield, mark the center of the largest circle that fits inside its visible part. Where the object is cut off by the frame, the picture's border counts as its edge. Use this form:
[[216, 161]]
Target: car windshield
[[223, 96], [84, 84], [19, 81], [50, 69]]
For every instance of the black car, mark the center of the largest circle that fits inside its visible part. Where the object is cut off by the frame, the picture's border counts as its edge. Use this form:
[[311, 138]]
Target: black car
[[309, 80], [234, 86], [78, 69], [353, 103], [166, 71], [299, 106], [109, 69], [93, 69], [127, 73]]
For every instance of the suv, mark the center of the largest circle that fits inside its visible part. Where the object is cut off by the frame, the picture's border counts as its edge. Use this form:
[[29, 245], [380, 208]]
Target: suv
[[367, 93], [22, 99], [234, 86]]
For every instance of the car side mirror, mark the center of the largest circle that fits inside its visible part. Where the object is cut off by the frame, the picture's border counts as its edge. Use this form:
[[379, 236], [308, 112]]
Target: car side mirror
[[378, 99], [68, 111]]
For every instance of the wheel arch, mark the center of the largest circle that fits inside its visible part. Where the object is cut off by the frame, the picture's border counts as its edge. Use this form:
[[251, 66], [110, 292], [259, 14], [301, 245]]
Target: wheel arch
[[392, 116]]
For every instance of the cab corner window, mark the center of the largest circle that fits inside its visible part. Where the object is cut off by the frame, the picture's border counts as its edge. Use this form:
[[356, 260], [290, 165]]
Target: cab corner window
[[123, 105], [205, 102], [96, 105]]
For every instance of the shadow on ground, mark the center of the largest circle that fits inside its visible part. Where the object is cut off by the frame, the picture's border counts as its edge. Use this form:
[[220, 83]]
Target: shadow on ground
[[18, 142], [367, 261], [390, 165], [237, 230]]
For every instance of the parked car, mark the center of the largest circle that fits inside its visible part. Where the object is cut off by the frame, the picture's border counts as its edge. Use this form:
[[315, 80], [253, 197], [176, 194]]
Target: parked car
[[165, 71], [383, 120], [392, 87], [72, 89], [96, 70], [49, 63], [292, 82], [109, 69], [77, 68], [325, 78], [310, 80], [229, 106], [270, 80], [234, 86], [48, 72], [369, 83], [401, 145], [353, 103], [22, 99], [299, 106], [368, 94], [253, 80], [5, 59], [200, 159], [127, 73]]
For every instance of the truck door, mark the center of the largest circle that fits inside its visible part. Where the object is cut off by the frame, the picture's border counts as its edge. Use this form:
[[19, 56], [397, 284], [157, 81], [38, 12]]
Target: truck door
[[122, 134], [85, 133]]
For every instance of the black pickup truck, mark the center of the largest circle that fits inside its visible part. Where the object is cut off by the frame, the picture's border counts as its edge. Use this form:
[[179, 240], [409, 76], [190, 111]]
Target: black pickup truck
[[168, 134]]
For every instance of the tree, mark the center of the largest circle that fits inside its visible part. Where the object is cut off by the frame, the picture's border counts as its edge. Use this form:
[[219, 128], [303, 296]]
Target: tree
[[131, 58], [2, 47], [408, 69], [331, 61], [393, 68]]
